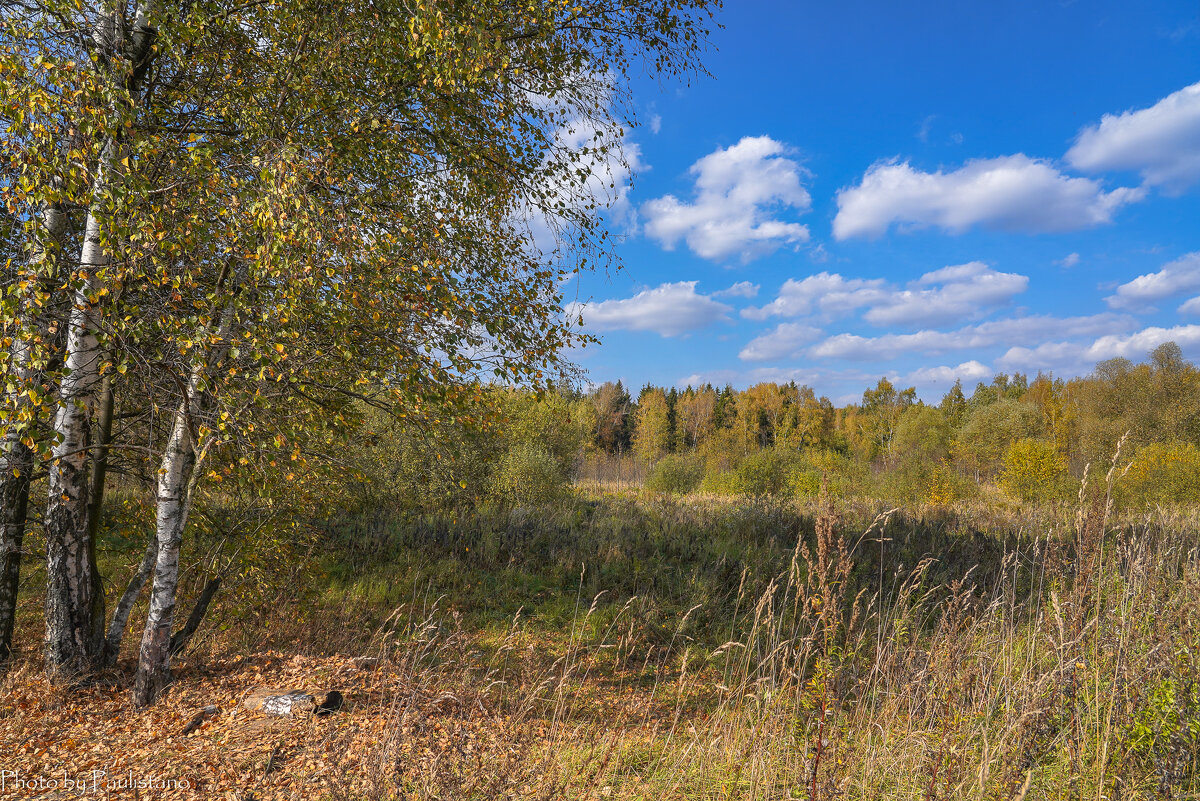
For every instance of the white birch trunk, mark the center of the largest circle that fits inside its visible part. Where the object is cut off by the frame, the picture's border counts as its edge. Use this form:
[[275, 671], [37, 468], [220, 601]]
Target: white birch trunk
[[74, 637], [71, 646], [120, 618], [16, 458], [175, 482]]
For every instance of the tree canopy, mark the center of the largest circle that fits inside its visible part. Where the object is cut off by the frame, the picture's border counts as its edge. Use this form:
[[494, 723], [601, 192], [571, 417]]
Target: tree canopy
[[261, 217]]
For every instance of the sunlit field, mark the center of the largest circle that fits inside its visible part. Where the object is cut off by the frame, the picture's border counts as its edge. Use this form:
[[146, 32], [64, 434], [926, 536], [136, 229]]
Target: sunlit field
[[641, 646]]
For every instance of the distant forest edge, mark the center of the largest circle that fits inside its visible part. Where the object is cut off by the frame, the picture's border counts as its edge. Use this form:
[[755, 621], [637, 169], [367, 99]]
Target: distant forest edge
[[1029, 440]]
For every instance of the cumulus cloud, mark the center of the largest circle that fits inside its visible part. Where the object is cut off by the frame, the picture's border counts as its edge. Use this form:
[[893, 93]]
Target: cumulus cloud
[[1068, 261], [784, 341], [1015, 331], [1012, 193], [1140, 343], [1079, 357], [955, 293], [610, 165], [1191, 307], [1175, 278], [742, 289], [1058, 357], [739, 191], [668, 309], [967, 371], [606, 167], [950, 294], [1161, 142], [827, 293]]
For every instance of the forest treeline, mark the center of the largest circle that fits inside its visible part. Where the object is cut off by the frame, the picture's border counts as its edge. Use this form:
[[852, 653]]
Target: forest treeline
[[1032, 438]]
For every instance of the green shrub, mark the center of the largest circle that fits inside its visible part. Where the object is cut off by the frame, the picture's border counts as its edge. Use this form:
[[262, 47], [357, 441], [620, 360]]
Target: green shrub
[[918, 480], [1168, 724], [907, 482], [766, 472], [718, 482], [845, 476], [982, 442], [722, 452], [947, 485], [527, 475], [805, 482], [677, 474], [547, 422]]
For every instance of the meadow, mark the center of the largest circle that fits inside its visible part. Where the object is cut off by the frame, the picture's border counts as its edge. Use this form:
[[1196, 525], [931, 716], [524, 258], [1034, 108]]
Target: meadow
[[641, 645]]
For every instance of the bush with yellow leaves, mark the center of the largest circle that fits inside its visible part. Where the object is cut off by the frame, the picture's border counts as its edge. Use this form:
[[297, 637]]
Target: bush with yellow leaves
[[1035, 470], [1162, 473]]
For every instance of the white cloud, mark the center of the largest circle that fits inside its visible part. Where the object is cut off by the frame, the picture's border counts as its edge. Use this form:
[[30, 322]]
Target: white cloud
[[1191, 307], [610, 164], [738, 190], [780, 375], [1058, 357], [1068, 261], [1015, 331], [715, 377], [955, 293], [656, 123], [1014, 193], [960, 292], [1175, 278], [783, 342], [968, 371], [1138, 344], [607, 165], [1075, 358], [669, 309], [827, 293], [1161, 142], [926, 127], [742, 289]]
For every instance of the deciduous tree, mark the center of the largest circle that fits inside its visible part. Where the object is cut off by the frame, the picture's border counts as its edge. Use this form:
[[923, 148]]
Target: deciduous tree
[[290, 207]]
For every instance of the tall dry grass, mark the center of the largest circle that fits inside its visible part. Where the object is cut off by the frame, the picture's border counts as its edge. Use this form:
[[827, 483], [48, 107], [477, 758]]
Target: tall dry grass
[[1072, 672]]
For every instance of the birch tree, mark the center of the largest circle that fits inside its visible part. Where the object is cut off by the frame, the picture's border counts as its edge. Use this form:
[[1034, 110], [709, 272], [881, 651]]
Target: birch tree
[[696, 413], [45, 105], [122, 48], [651, 439], [289, 209], [17, 449]]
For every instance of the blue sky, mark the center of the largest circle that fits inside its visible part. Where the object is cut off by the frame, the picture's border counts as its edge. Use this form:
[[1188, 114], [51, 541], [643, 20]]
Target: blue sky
[[925, 191]]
